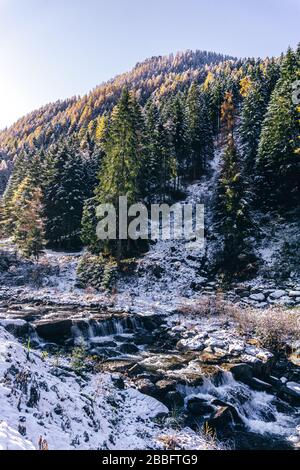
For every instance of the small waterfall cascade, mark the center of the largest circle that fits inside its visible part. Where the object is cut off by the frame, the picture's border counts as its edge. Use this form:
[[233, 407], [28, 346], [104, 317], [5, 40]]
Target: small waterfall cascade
[[262, 413]]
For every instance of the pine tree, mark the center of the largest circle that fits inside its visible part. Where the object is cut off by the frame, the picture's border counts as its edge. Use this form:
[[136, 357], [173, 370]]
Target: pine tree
[[200, 131], [178, 130], [159, 166], [253, 113], [28, 233], [231, 209], [64, 193], [88, 226], [122, 165], [278, 163]]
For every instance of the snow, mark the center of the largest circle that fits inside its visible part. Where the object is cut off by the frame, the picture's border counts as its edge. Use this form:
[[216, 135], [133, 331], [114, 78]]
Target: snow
[[10, 439], [72, 411]]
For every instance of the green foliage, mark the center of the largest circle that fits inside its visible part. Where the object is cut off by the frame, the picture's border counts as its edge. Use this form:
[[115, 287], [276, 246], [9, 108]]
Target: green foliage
[[278, 162], [90, 271], [78, 358]]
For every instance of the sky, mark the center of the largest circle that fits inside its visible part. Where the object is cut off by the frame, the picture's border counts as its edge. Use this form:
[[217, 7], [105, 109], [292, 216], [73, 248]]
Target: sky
[[55, 49]]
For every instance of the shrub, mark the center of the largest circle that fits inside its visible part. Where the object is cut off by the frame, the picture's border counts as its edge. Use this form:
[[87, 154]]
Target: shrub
[[274, 326]]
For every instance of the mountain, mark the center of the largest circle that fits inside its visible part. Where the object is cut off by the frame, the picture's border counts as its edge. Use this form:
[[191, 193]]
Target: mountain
[[159, 75]]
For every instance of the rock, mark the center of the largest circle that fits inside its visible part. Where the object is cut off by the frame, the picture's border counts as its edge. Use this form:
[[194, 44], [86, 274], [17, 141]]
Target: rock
[[290, 393], [144, 339], [128, 348], [58, 410], [165, 386], [242, 372], [162, 362], [256, 290], [18, 328], [277, 294], [118, 381], [215, 343], [173, 400], [257, 297], [34, 396], [199, 407], [294, 293], [242, 291], [147, 387], [193, 344], [225, 417], [260, 385], [236, 349], [157, 271], [54, 331], [103, 344]]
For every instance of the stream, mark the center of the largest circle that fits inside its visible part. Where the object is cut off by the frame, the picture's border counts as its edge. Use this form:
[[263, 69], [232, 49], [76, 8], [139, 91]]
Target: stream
[[219, 381]]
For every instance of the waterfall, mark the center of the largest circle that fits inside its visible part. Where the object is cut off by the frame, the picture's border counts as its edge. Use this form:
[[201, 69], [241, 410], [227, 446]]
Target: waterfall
[[258, 410]]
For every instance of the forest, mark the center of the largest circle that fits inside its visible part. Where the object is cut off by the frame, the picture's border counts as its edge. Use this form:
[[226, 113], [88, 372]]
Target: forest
[[147, 133]]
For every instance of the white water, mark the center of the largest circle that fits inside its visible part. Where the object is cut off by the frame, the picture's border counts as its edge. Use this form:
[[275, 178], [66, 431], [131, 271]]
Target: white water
[[257, 409]]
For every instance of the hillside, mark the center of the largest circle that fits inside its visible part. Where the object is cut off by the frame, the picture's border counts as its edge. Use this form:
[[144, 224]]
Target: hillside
[[177, 343], [159, 75]]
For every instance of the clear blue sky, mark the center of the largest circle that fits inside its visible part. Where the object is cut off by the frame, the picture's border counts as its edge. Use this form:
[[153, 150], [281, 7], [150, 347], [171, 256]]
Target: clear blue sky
[[51, 49]]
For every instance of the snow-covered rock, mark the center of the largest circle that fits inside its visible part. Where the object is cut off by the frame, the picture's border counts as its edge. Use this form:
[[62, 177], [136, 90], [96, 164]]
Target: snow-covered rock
[[277, 294], [40, 398], [10, 439], [257, 297]]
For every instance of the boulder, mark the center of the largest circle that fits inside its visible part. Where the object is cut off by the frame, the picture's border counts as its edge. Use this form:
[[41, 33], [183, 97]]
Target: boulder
[[147, 387], [18, 328], [128, 348], [242, 372], [199, 407], [54, 331], [294, 293], [226, 416], [257, 297], [165, 386], [277, 294]]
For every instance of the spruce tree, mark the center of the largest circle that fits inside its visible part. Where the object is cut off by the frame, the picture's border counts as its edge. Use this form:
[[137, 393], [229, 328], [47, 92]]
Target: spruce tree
[[231, 210], [278, 162], [159, 166], [200, 131], [121, 169], [28, 232], [64, 193]]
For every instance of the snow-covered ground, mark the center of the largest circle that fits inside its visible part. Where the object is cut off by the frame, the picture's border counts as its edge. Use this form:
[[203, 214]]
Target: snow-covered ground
[[43, 398]]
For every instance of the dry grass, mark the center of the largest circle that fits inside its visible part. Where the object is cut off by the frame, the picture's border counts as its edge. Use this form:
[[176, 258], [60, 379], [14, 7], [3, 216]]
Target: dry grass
[[206, 306], [274, 327]]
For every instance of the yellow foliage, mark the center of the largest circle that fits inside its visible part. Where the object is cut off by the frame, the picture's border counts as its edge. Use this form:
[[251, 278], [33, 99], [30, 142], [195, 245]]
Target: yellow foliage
[[209, 79], [245, 86]]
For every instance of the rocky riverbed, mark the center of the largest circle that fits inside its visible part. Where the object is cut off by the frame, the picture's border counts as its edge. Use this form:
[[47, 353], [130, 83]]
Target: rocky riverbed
[[202, 373]]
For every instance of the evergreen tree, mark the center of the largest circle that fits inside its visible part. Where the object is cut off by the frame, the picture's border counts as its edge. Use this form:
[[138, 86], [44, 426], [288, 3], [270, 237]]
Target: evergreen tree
[[159, 166], [28, 233], [253, 112], [88, 226], [231, 210], [177, 126], [200, 131], [122, 165], [278, 163], [64, 193]]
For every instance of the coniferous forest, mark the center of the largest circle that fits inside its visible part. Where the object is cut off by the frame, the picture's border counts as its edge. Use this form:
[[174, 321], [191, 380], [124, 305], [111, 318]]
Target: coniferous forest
[[155, 344], [166, 116]]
